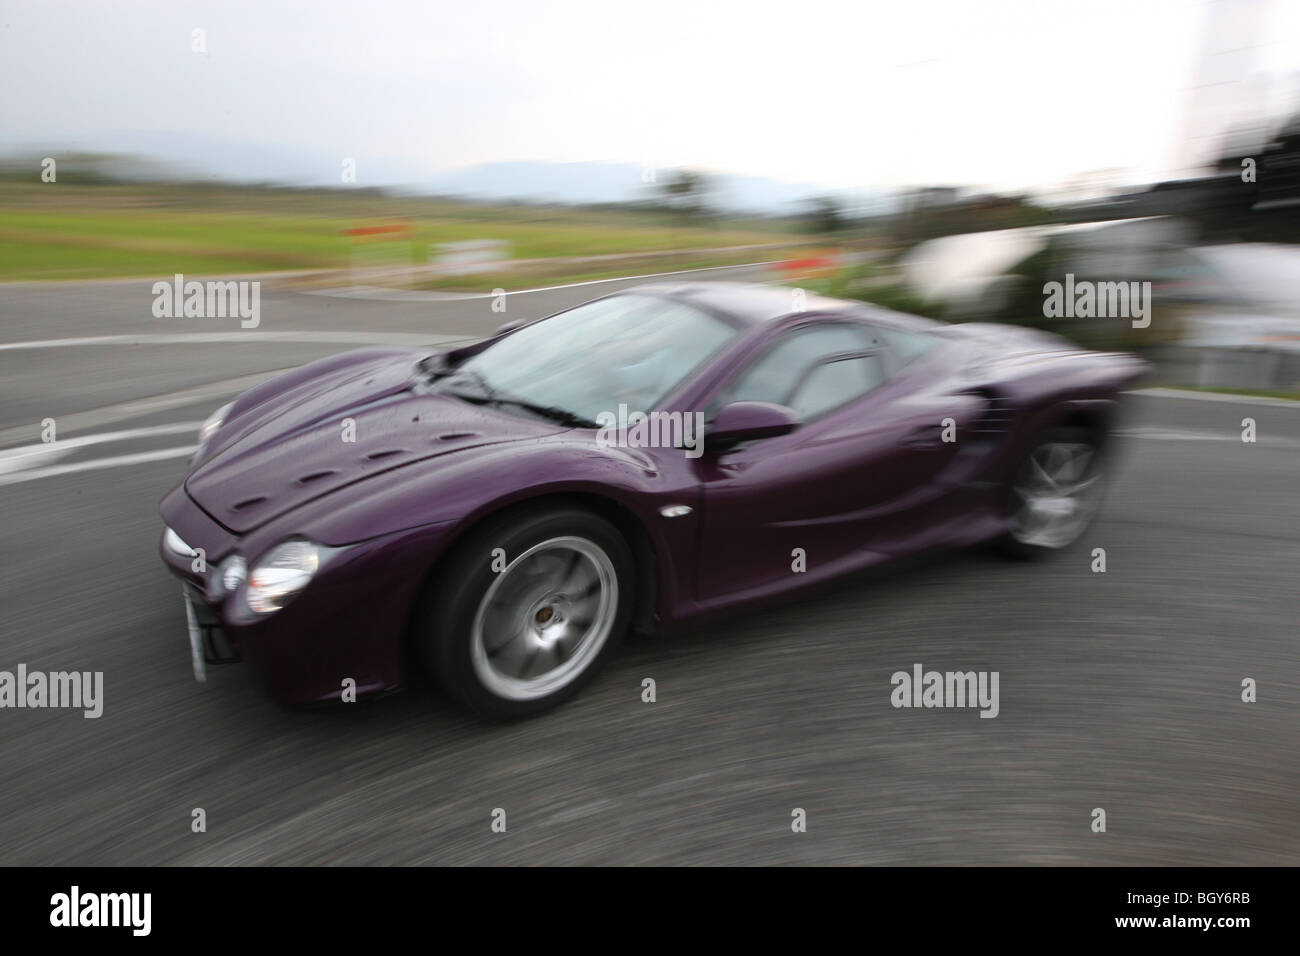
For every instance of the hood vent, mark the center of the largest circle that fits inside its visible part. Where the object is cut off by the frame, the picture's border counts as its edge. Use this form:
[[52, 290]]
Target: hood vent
[[317, 476]]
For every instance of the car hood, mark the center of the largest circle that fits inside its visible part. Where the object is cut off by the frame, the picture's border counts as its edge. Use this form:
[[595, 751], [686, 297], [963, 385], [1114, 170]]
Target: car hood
[[293, 447]]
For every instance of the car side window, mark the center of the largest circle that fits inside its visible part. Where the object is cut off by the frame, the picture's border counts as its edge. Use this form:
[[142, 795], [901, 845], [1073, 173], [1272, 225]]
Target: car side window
[[907, 345], [834, 383], [812, 370]]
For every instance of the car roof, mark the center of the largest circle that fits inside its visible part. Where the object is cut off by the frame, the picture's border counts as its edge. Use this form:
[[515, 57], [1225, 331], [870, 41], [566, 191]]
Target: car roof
[[749, 302]]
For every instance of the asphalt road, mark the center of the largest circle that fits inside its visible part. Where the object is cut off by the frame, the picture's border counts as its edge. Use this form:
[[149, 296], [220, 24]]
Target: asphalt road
[[1119, 691]]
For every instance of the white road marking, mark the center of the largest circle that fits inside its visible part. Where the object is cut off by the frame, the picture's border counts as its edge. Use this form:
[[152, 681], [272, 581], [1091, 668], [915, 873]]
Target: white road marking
[[110, 414], [1155, 433], [136, 459], [1217, 397], [432, 295], [241, 338], [1174, 434], [20, 459]]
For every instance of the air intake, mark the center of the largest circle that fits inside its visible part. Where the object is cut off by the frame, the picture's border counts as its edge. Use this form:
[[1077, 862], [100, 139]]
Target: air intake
[[999, 415]]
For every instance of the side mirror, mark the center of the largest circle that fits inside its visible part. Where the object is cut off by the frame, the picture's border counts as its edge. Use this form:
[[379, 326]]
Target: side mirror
[[747, 421], [509, 327]]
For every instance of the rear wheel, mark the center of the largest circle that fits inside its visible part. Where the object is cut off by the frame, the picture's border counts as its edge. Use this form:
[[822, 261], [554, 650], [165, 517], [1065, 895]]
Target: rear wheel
[[1056, 493], [530, 607]]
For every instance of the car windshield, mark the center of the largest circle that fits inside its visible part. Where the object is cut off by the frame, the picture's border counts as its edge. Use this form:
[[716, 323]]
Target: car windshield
[[626, 349]]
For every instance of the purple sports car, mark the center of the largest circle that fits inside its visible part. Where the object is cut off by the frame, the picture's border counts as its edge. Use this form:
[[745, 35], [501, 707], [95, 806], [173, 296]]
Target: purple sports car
[[502, 514]]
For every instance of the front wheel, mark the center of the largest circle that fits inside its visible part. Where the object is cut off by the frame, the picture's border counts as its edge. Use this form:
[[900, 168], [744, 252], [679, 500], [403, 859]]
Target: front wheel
[[530, 607], [1056, 493]]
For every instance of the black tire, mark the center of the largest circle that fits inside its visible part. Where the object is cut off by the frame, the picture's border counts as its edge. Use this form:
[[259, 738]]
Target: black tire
[[445, 624], [1013, 543]]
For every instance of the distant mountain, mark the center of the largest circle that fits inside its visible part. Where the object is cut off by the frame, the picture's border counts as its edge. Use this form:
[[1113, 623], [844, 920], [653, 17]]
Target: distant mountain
[[627, 182], [155, 154]]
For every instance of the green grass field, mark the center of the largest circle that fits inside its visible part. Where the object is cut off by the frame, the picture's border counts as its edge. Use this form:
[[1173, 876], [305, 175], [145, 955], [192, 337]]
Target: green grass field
[[57, 231]]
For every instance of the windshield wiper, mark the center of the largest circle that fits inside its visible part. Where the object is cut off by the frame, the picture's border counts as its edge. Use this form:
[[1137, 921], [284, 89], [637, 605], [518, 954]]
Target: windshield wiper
[[561, 416], [433, 366], [552, 413], [489, 395], [485, 391]]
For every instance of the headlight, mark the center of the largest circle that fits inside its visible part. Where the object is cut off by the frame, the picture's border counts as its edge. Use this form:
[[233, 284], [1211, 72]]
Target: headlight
[[280, 574], [213, 422], [233, 573]]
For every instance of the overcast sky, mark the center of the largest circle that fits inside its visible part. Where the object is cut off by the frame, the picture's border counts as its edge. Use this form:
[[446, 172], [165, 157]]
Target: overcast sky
[[852, 93]]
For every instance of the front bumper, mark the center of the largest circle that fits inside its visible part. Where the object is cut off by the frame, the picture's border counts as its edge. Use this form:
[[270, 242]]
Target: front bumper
[[347, 624], [207, 637]]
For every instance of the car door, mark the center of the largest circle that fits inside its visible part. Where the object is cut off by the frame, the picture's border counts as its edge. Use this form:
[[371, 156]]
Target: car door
[[842, 484]]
